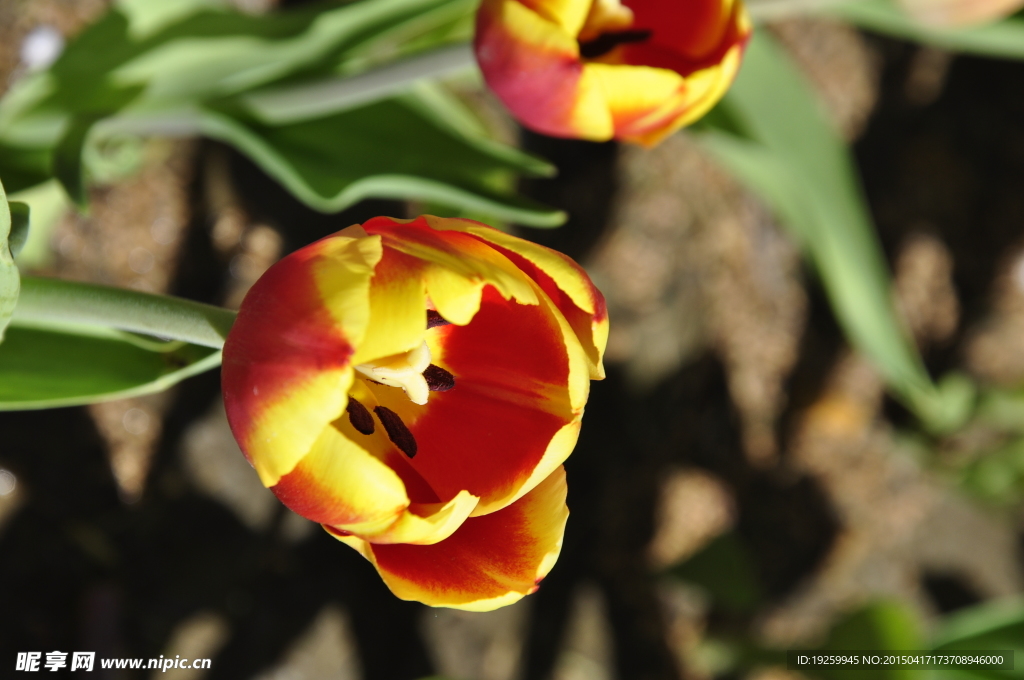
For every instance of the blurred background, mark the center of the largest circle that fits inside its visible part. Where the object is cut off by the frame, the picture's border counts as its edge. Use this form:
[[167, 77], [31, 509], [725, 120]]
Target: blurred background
[[744, 483]]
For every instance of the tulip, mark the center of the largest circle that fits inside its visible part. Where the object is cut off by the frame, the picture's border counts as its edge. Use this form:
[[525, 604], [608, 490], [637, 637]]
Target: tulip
[[597, 69], [955, 13], [415, 386]]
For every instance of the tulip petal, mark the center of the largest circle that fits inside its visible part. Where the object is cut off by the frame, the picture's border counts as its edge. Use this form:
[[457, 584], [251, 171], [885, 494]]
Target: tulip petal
[[568, 15], [287, 360], [521, 381], [489, 562], [647, 104], [455, 267], [697, 31], [564, 281], [423, 523], [677, 62], [398, 313], [339, 483], [534, 67]]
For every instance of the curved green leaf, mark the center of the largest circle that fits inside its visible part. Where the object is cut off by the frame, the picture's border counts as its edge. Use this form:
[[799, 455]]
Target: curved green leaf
[[44, 367], [10, 281], [19, 227], [885, 626], [996, 625], [397, 148], [1001, 39], [75, 343], [55, 303], [776, 139], [272, 86]]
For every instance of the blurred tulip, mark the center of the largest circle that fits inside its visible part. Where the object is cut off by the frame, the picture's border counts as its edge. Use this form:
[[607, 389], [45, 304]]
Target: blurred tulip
[[598, 69], [952, 13], [415, 386]]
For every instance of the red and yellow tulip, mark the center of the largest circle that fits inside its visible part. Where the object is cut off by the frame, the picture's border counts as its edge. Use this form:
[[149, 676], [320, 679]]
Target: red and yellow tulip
[[954, 13], [600, 69], [415, 386]]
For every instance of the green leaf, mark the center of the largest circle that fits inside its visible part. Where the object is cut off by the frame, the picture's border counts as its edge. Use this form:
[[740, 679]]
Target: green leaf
[[75, 343], [146, 17], [987, 626], [319, 98], [44, 367], [883, 626], [997, 476], [1003, 39], [214, 52], [50, 303], [1002, 409], [207, 52], [10, 280], [19, 227], [794, 160], [47, 204], [22, 167], [403, 148], [67, 158], [270, 86]]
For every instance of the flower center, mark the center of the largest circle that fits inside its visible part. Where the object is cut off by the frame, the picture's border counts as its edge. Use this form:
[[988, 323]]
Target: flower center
[[413, 372], [402, 370], [606, 42], [608, 26]]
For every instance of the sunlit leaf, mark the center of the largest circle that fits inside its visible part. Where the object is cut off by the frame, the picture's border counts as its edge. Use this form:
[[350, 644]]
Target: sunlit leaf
[[789, 154], [290, 89], [19, 227], [992, 623], [878, 627], [1002, 409], [318, 98], [10, 281], [993, 626], [1003, 39], [398, 148], [44, 367]]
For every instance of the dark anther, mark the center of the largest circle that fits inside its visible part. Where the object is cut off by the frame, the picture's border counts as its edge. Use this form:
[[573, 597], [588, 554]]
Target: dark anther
[[438, 379], [360, 417], [605, 43], [434, 319], [398, 433]]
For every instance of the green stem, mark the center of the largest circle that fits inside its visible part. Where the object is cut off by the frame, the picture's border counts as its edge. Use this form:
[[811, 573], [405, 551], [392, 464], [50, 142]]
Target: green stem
[[54, 300]]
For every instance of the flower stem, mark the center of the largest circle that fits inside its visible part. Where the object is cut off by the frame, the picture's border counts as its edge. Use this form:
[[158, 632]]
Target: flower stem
[[54, 300]]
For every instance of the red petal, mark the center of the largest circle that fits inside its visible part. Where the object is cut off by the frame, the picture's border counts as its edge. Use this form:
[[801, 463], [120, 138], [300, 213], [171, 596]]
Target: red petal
[[489, 433], [489, 561]]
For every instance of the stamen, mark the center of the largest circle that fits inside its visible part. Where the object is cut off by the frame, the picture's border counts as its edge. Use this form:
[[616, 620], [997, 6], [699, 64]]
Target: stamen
[[438, 379], [402, 370], [606, 42], [360, 417], [434, 319], [398, 433]]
